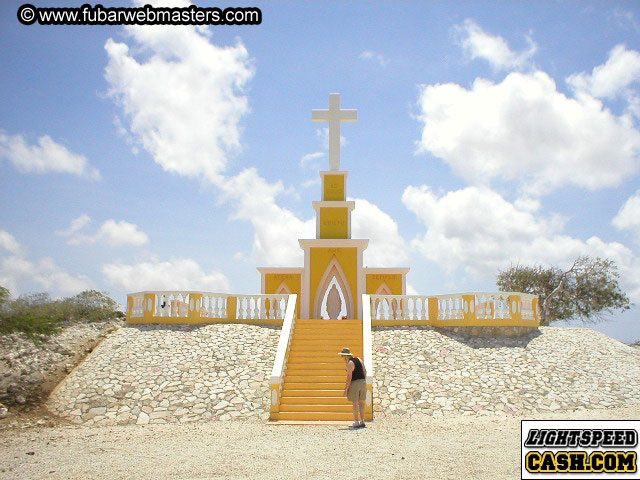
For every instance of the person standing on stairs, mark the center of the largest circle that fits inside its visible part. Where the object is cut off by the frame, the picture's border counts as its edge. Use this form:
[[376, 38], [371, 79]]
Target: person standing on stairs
[[356, 387]]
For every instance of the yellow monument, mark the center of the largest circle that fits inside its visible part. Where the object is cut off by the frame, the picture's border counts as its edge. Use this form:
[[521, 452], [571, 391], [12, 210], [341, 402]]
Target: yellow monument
[[331, 302], [333, 279]]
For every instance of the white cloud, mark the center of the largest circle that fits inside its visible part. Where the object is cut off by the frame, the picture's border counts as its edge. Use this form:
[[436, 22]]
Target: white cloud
[[492, 48], [46, 156], [628, 217], [183, 103], [121, 233], [310, 183], [186, 131], [9, 243], [522, 129], [276, 229], [112, 233], [626, 19], [20, 274], [386, 247], [76, 225], [308, 160], [370, 55], [611, 79], [477, 231], [175, 274]]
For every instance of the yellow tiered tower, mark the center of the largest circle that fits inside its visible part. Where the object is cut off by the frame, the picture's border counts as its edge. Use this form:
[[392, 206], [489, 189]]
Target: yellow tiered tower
[[330, 288]]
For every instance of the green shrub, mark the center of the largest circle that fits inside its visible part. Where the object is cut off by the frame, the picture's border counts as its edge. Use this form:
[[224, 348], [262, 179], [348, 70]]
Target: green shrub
[[4, 296], [33, 315], [37, 314], [92, 306]]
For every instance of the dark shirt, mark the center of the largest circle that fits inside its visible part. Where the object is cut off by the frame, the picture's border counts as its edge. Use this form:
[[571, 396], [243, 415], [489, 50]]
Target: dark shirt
[[358, 371]]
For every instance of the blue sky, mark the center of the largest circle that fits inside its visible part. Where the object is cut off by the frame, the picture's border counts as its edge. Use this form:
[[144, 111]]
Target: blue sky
[[489, 134]]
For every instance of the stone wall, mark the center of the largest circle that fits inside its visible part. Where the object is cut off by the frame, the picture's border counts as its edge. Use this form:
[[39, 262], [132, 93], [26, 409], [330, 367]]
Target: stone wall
[[176, 374], [170, 374], [422, 370], [492, 331]]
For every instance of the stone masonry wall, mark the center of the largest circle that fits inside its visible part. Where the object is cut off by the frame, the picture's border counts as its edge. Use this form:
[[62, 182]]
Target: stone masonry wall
[[177, 374], [422, 370], [172, 374]]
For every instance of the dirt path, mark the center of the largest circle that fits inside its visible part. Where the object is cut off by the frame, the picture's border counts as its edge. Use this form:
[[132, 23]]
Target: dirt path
[[392, 447]]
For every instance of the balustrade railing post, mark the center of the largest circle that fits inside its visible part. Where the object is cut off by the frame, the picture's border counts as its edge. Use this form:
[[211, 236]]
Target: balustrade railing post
[[149, 306], [195, 305], [129, 307], [433, 310], [231, 308], [514, 308], [534, 306], [469, 308]]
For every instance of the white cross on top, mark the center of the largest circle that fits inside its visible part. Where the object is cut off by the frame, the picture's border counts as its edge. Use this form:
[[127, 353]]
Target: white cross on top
[[334, 116]]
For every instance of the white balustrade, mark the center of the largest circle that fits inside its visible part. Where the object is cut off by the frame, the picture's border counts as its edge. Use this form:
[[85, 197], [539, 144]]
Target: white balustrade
[[173, 304], [288, 324], [137, 307], [527, 309], [450, 307], [213, 305], [256, 307], [501, 305], [485, 305]]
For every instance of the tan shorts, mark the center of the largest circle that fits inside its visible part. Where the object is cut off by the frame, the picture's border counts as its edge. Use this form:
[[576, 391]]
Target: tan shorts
[[357, 391]]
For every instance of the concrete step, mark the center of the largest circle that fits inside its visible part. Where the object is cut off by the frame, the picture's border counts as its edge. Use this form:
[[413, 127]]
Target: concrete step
[[314, 364], [331, 349], [301, 372], [330, 340], [308, 362], [293, 407], [312, 393], [346, 416], [315, 322], [316, 378], [315, 401], [311, 386]]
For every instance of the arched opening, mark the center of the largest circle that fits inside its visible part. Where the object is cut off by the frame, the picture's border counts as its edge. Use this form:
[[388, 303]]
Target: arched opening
[[330, 307], [334, 280]]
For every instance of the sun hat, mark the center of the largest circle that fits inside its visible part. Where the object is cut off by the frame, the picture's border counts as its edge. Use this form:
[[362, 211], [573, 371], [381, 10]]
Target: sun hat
[[346, 351]]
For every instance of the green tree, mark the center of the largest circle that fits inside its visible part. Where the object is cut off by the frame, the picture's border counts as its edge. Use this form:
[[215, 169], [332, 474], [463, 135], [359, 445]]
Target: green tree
[[588, 291], [92, 306], [4, 296]]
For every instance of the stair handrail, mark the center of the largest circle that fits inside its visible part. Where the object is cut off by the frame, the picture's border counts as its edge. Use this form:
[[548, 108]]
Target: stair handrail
[[277, 373], [367, 347]]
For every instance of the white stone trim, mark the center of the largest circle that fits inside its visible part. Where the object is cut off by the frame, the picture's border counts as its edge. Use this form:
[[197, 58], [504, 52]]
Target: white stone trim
[[265, 270], [361, 280], [391, 271], [350, 204], [332, 243], [305, 283]]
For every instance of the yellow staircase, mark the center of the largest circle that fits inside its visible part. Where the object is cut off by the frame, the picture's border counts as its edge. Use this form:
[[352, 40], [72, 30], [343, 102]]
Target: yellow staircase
[[315, 374]]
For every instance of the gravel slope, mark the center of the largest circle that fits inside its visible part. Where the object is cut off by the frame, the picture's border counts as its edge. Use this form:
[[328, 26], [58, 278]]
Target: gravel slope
[[391, 447]]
